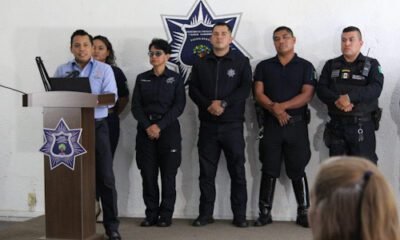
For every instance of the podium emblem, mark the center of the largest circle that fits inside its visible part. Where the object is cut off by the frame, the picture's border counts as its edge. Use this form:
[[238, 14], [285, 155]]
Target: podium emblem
[[62, 145]]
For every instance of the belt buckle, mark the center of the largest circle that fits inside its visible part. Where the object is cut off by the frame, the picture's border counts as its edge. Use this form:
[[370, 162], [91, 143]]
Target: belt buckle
[[153, 117], [295, 119]]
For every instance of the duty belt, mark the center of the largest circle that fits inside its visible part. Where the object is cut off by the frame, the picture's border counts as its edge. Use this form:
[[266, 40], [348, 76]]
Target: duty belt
[[351, 119], [153, 117]]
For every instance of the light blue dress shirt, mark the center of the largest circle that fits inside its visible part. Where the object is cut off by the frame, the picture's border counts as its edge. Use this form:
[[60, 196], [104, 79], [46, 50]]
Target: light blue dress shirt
[[101, 78]]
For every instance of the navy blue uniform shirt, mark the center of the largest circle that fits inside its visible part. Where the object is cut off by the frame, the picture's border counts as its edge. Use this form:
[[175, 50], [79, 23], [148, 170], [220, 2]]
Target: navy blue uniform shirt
[[226, 78], [121, 80], [162, 95], [121, 83], [282, 83]]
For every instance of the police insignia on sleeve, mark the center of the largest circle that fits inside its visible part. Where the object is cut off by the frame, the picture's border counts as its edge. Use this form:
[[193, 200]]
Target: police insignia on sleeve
[[62, 145], [380, 70]]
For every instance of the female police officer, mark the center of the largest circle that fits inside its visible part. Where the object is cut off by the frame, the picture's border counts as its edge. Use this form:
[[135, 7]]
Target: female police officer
[[158, 100]]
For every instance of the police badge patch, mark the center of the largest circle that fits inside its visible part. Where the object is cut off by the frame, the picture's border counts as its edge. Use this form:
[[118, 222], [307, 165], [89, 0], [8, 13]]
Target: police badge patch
[[231, 73], [170, 80], [62, 145]]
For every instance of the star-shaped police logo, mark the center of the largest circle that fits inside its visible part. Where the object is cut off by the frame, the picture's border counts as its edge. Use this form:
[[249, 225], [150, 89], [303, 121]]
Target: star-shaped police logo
[[231, 73], [189, 35], [62, 145]]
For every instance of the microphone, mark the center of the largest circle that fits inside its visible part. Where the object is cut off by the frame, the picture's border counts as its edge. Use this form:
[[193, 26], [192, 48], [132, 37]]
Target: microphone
[[13, 89], [73, 74]]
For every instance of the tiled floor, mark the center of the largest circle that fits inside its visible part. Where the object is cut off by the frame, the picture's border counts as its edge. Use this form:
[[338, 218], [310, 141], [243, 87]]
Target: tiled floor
[[181, 229]]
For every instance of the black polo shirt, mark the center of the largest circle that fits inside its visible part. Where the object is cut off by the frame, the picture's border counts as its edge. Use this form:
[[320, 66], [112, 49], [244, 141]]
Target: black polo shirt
[[120, 79], [282, 83]]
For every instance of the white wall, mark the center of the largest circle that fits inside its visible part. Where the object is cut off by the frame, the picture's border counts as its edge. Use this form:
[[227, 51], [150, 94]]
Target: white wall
[[33, 28]]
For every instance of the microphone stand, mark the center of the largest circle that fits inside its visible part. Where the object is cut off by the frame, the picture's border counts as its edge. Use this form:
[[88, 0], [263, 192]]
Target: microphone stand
[[13, 89]]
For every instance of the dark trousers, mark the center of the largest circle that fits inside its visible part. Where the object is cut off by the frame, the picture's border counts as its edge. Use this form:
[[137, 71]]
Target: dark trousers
[[346, 140], [162, 155], [113, 126], [289, 143], [214, 137], [105, 181]]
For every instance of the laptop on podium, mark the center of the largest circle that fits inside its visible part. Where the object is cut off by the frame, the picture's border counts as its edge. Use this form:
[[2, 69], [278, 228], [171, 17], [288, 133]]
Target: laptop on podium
[[69, 83]]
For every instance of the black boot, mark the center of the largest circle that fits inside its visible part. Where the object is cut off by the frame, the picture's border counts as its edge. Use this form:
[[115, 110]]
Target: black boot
[[300, 187], [267, 189]]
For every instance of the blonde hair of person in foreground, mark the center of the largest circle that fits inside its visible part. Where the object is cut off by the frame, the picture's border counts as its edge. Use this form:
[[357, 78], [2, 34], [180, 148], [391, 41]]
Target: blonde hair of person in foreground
[[351, 200]]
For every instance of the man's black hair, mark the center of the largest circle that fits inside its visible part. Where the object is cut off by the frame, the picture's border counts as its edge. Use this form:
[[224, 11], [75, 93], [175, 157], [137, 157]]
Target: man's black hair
[[81, 32], [353, 29], [222, 24], [283, 28]]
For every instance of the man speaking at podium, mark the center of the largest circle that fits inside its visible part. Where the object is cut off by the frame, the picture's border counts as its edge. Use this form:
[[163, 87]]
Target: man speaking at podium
[[101, 78]]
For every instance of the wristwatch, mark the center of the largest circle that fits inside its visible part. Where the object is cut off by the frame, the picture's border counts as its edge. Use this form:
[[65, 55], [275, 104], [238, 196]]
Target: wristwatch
[[224, 104]]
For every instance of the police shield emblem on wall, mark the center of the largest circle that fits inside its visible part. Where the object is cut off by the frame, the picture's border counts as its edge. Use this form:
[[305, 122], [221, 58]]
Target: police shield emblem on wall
[[189, 35], [62, 145]]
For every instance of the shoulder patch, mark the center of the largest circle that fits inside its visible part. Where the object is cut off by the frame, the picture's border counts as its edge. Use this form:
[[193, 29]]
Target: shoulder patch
[[380, 69], [315, 75]]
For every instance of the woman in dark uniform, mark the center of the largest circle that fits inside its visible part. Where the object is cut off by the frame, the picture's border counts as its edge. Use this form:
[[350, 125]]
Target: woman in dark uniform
[[104, 52], [158, 100]]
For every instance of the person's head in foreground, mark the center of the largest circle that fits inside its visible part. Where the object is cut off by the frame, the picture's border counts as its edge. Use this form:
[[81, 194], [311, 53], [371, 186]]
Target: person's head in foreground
[[351, 200]]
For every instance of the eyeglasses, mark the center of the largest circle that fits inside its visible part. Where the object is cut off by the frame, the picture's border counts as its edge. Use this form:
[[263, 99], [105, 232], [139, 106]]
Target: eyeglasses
[[155, 53]]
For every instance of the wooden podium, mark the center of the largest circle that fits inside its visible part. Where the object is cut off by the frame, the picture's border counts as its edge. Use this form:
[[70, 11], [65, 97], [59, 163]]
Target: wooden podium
[[70, 194]]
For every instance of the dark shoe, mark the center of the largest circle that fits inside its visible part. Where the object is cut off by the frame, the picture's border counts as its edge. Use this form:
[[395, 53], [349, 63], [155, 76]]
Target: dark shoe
[[114, 235], [263, 220], [240, 223], [202, 221], [302, 218], [164, 222], [148, 223]]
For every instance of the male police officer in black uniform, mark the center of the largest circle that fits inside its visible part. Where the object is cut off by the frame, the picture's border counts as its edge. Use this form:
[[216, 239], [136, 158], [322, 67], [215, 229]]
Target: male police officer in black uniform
[[219, 85], [350, 85], [158, 100], [284, 85]]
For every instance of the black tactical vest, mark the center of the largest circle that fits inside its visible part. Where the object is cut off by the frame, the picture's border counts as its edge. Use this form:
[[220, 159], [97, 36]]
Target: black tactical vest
[[347, 77]]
